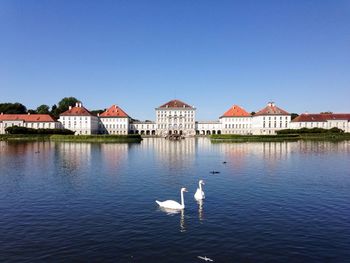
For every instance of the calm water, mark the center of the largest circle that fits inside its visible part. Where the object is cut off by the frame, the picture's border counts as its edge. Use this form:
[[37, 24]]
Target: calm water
[[272, 202]]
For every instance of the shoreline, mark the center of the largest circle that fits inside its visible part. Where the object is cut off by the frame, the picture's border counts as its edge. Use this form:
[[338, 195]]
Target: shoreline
[[134, 138], [279, 138], [72, 138]]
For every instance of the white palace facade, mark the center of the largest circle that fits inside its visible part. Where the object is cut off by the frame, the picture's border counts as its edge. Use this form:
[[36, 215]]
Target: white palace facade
[[177, 117]]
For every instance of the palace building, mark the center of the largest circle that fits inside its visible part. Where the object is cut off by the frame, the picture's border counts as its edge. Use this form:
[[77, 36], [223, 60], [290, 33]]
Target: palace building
[[34, 121], [114, 121], [176, 117], [322, 120], [236, 120], [79, 120], [269, 120]]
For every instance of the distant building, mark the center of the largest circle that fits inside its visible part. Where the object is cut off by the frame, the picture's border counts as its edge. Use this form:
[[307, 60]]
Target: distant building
[[322, 120], [208, 127], [114, 121], [79, 120], [175, 117], [269, 120], [236, 121], [34, 121], [143, 127]]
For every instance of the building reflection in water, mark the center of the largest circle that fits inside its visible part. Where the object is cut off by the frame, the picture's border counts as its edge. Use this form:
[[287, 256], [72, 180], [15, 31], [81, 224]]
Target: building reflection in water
[[172, 154], [113, 156], [74, 157], [239, 155], [322, 147], [27, 157]]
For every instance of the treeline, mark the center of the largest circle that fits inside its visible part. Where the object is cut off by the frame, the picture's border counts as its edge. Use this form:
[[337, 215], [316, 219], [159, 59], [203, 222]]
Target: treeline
[[24, 130], [310, 131], [55, 110]]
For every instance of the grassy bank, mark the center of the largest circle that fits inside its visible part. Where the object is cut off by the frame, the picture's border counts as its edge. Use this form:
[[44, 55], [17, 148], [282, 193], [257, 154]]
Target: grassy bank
[[71, 138], [24, 137], [96, 138], [279, 137], [252, 138]]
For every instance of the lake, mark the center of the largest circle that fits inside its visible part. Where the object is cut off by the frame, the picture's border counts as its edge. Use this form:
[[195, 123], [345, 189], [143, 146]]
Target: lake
[[82, 202]]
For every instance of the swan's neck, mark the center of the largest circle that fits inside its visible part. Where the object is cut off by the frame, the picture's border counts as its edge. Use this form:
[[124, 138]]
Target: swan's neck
[[200, 186], [182, 199]]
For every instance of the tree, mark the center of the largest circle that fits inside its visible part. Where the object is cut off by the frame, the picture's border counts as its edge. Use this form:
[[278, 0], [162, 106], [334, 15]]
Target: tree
[[64, 103], [32, 111], [96, 112], [53, 111], [13, 108], [252, 113], [43, 109]]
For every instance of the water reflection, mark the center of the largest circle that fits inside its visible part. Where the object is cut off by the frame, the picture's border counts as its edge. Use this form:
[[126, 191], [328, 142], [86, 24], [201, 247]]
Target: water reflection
[[322, 147], [65, 190], [113, 156], [74, 157], [172, 212], [173, 154], [25, 156], [200, 210]]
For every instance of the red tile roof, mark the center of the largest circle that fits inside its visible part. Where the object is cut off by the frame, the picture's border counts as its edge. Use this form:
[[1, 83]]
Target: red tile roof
[[175, 104], [27, 117], [271, 109], [236, 111], [322, 117], [114, 111], [78, 110]]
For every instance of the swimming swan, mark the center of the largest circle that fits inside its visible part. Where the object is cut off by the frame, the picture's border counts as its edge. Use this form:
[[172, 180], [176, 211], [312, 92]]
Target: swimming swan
[[199, 195], [170, 204]]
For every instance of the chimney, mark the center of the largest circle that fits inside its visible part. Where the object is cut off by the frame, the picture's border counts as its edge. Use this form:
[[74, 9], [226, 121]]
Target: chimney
[[98, 114], [2, 113], [70, 107], [80, 104], [28, 113]]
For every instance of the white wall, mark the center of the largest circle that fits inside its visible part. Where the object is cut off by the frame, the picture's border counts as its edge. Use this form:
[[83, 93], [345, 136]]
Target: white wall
[[269, 124], [341, 124], [114, 125], [176, 119], [32, 125], [83, 125], [209, 127], [236, 125]]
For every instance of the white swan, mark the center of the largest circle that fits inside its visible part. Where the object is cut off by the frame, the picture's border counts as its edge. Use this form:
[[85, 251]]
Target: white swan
[[170, 204], [199, 195]]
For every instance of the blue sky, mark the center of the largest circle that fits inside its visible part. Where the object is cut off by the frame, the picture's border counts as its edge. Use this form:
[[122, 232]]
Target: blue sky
[[210, 54]]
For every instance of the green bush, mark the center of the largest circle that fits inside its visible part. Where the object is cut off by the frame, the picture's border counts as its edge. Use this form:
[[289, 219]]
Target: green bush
[[310, 131], [24, 130]]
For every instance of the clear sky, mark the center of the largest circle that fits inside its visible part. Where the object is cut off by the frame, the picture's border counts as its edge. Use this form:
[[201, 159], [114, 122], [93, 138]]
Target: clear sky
[[210, 54]]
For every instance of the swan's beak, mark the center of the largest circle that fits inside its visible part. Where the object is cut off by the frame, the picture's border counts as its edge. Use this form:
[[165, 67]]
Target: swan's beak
[[185, 190]]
